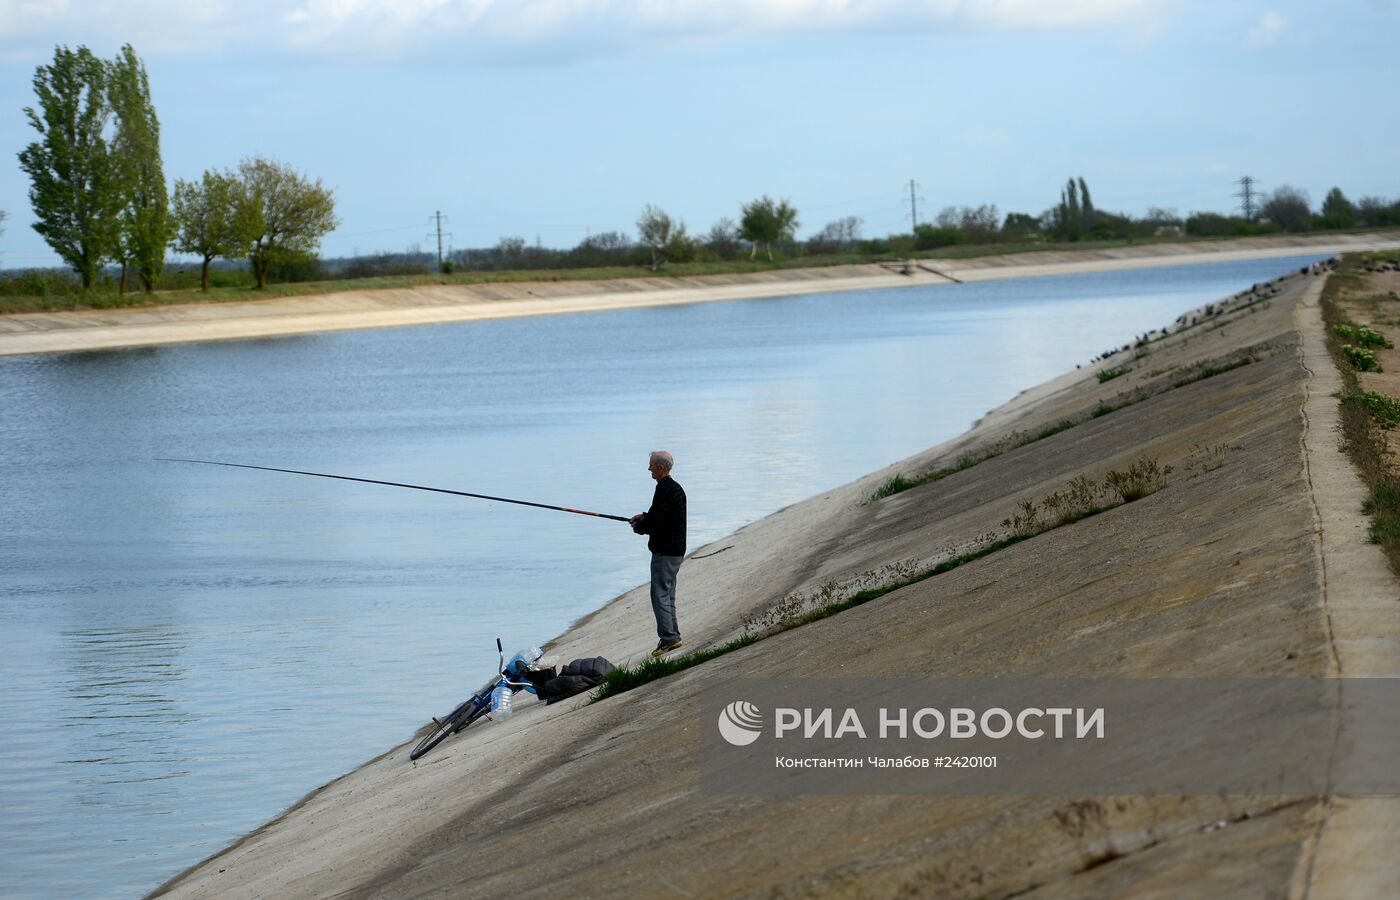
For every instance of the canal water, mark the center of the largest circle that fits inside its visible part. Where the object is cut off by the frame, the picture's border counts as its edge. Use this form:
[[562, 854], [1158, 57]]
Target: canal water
[[189, 649]]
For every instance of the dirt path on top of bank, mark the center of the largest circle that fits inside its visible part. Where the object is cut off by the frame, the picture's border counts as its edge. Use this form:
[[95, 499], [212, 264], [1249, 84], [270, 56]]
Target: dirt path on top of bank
[[1218, 574], [58, 332]]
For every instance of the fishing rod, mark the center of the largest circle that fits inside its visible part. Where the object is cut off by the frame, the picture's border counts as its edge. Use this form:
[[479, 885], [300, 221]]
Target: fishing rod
[[416, 487]]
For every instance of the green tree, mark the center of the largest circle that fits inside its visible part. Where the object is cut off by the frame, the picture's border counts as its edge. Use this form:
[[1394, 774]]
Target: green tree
[[765, 221], [1373, 211], [1288, 208], [140, 174], [213, 218], [1337, 210], [1075, 215], [664, 238], [73, 184], [289, 213], [1020, 225], [723, 239]]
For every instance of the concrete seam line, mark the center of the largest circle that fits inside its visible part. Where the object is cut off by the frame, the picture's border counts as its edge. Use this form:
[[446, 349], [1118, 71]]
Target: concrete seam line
[[1310, 329]]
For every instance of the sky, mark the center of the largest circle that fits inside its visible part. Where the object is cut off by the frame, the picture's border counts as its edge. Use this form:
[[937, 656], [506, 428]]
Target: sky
[[553, 119]]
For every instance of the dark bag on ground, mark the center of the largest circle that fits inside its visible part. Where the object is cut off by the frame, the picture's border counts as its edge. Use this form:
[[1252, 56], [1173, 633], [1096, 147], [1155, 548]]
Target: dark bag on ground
[[574, 678]]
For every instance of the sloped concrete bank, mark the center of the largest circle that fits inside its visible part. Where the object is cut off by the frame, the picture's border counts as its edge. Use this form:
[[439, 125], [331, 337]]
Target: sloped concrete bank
[[1245, 564], [59, 332]]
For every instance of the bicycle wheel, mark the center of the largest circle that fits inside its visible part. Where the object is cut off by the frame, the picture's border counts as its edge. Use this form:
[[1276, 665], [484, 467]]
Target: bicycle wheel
[[454, 722]]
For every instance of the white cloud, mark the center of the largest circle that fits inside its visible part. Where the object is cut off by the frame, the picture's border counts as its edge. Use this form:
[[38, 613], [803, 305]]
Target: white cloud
[[510, 29], [1266, 31]]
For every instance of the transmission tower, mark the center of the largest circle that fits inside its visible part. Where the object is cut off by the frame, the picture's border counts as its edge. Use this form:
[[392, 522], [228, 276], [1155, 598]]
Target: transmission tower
[[1247, 195], [913, 205]]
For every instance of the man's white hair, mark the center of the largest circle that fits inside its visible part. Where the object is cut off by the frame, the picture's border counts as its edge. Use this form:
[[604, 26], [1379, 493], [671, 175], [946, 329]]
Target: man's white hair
[[664, 459]]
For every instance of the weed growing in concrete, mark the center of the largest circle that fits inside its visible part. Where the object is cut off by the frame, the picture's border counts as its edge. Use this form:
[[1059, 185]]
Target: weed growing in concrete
[[1047, 431], [1025, 523], [625, 678], [1142, 478], [1201, 371], [1203, 459], [1078, 499], [893, 486], [1110, 374]]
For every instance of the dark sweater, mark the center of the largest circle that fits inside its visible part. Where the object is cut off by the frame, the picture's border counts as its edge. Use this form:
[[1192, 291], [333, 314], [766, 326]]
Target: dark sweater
[[665, 521]]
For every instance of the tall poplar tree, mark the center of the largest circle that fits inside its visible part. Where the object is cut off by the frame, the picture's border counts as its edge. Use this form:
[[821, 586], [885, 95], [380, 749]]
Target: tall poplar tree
[[73, 183], [145, 205]]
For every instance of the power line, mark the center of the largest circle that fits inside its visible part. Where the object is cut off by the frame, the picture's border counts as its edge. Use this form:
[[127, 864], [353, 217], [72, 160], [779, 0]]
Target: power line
[[885, 196]]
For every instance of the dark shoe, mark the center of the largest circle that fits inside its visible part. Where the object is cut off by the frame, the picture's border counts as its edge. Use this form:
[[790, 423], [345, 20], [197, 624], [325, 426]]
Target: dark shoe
[[663, 649]]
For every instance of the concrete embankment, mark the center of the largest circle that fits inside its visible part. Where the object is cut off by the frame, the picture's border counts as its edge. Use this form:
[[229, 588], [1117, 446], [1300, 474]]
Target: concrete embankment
[[58, 332], [1224, 572]]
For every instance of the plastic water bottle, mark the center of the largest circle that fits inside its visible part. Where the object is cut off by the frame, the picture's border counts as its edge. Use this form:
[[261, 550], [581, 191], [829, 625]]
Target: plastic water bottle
[[500, 702]]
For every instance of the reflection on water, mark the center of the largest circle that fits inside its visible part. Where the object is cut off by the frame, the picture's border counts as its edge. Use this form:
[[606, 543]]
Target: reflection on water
[[190, 649]]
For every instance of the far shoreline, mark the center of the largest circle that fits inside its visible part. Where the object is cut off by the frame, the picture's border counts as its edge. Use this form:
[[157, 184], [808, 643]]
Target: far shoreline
[[87, 330]]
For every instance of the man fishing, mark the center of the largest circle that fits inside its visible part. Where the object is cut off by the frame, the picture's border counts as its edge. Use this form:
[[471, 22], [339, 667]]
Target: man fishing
[[665, 522]]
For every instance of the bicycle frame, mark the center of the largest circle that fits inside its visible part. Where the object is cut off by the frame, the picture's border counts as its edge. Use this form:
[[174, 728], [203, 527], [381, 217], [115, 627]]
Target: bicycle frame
[[474, 707]]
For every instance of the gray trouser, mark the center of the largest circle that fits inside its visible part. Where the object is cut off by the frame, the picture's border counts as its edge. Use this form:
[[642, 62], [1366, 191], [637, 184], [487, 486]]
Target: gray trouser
[[663, 596]]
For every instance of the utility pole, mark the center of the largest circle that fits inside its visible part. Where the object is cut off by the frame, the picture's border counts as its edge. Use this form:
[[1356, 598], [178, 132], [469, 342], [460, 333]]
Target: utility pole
[[913, 207], [1246, 195], [438, 217]]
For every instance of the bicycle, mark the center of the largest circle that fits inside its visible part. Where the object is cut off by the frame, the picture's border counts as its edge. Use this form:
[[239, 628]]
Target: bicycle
[[494, 697]]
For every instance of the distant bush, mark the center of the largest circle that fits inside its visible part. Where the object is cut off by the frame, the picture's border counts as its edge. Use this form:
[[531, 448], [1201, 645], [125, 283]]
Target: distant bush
[[1208, 224], [296, 268], [39, 283], [927, 237], [381, 265]]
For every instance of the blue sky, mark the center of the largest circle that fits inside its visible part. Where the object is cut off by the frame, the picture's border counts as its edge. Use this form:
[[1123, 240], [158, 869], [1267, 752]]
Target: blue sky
[[549, 119]]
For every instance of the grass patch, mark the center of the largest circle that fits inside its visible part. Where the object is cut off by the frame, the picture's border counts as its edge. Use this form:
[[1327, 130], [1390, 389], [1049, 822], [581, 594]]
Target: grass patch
[[1361, 335], [1385, 411], [625, 678], [1362, 428], [896, 484], [1049, 430], [899, 482], [1110, 374], [1202, 372], [1383, 506], [1361, 359]]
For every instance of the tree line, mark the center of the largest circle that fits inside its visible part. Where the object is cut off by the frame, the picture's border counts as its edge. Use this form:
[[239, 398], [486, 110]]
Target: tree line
[[769, 225], [98, 188], [99, 193]]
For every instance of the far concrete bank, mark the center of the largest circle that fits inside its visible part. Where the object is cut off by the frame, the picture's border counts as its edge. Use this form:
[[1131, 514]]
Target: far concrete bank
[[59, 332]]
